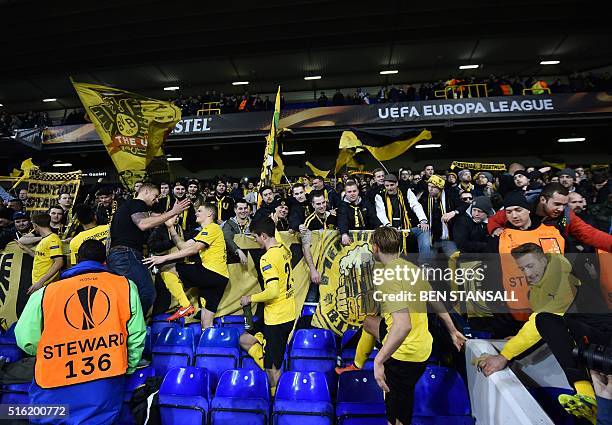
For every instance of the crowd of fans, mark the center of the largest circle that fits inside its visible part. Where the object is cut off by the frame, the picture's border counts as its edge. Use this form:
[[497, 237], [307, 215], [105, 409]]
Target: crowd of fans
[[426, 213], [245, 102]]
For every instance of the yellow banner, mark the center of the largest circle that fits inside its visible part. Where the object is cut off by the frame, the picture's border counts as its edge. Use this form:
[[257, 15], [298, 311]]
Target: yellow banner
[[477, 166], [15, 279], [132, 127], [44, 188]]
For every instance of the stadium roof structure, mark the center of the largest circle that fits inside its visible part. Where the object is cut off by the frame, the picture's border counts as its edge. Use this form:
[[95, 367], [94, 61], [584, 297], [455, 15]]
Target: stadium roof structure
[[146, 45]]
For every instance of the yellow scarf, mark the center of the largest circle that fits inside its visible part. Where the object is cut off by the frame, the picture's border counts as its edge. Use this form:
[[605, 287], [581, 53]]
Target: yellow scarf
[[359, 221], [403, 211], [219, 206]]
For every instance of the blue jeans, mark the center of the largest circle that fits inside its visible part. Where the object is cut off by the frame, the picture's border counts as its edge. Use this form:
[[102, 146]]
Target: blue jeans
[[424, 241], [128, 262]]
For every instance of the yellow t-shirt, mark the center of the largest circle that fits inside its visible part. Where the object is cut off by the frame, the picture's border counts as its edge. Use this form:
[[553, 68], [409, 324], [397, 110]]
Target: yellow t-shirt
[[278, 299], [417, 345], [214, 255], [99, 233], [47, 249]]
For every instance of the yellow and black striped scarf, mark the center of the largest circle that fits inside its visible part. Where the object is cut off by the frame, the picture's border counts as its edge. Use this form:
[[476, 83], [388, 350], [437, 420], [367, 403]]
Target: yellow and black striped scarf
[[359, 221], [403, 210]]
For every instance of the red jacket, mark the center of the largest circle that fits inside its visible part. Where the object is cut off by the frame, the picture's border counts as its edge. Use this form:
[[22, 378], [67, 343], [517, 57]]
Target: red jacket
[[577, 228]]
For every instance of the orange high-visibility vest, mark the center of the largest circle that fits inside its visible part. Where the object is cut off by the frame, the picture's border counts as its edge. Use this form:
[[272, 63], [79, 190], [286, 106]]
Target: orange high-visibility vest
[[551, 241], [84, 335]]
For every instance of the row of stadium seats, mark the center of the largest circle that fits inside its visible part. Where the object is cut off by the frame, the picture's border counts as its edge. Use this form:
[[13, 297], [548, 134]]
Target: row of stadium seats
[[242, 397]]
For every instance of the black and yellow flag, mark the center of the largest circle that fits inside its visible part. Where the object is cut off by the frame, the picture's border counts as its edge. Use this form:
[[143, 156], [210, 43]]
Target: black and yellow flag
[[316, 171], [383, 145], [272, 168], [132, 127]]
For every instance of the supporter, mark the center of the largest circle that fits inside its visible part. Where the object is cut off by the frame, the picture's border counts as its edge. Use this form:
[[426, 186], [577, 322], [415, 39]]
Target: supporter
[[193, 193], [7, 227], [567, 178], [299, 207], [91, 230], [451, 179], [137, 186], [436, 206], [331, 197], [164, 190], [236, 192], [16, 205], [521, 180], [64, 200], [320, 218], [280, 214], [506, 180], [127, 233], [551, 208], [23, 196], [22, 223], [338, 99], [355, 213], [405, 176], [484, 184], [466, 197], [470, 229], [223, 201], [322, 100], [92, 386], [421, 184], [105, 205], [187, 217], [237, 225], [210, 277], [600, 190], [378, 187], [465, 181], [48, 258], [279, 303], [404, 212]]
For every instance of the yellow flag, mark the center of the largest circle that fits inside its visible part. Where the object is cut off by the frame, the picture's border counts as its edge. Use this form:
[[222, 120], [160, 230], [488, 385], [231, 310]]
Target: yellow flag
[[271, 155], [557, 165], [132, 127], [346, 157], [316, 171], [26, 166]]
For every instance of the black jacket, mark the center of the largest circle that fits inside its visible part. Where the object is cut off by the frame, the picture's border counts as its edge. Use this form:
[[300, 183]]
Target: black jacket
[[346, 215], [298, 211], [470, 237]]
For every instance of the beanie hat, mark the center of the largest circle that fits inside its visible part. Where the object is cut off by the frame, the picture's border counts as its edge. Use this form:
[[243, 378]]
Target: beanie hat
[[462, 172], [483, 203], [516, 199], [437, 181], [522, 172], [568, 172], [488, 175]]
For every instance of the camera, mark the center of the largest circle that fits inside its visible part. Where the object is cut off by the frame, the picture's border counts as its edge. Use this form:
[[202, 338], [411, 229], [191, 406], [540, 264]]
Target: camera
[[595, 357]]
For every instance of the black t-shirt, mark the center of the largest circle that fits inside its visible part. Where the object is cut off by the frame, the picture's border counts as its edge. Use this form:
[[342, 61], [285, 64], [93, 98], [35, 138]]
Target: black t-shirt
[[123, 231]]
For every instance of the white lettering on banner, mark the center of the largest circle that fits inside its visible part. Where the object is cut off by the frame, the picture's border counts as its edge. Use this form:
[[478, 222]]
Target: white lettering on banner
[[439, 109], [192, 125]]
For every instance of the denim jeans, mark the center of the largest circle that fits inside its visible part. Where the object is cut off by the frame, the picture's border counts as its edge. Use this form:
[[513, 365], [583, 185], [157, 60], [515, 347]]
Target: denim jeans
[[424, 241], [128, 262]]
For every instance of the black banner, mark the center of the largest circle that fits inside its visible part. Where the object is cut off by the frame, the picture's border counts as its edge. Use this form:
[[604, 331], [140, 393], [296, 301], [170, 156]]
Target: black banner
[[361, 115]]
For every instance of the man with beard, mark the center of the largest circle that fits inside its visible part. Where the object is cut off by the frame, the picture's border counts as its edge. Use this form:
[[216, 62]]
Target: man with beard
[[355, 213], [299, 207], [465, 182], [470, 229], [223, 201], [267, 203], [551, 208], [567, 178], [106, 205], [404, 212], [193, 192], [331, 197], [187, 218], [57, 219]]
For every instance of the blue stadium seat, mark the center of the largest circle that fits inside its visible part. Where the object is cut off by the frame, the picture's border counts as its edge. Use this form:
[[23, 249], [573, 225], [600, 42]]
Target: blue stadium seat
[[302, 398], [308, 310], [184, 396], [360, 399], [15, 394], [218, 351], [147, 348], [196, 327], [314, 350], [132, 382], [242, 397], [8, 346], [247, 362], [173, 348], [442, 420], [159, 324], [547, 397], [441, 392], [347, 354]]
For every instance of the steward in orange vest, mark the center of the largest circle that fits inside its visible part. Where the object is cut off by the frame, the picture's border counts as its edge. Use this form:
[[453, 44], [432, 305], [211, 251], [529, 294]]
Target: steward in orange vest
[[87, 332]]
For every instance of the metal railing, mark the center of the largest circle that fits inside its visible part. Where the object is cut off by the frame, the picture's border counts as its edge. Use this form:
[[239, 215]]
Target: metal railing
[[210, 108], [462, 91]]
